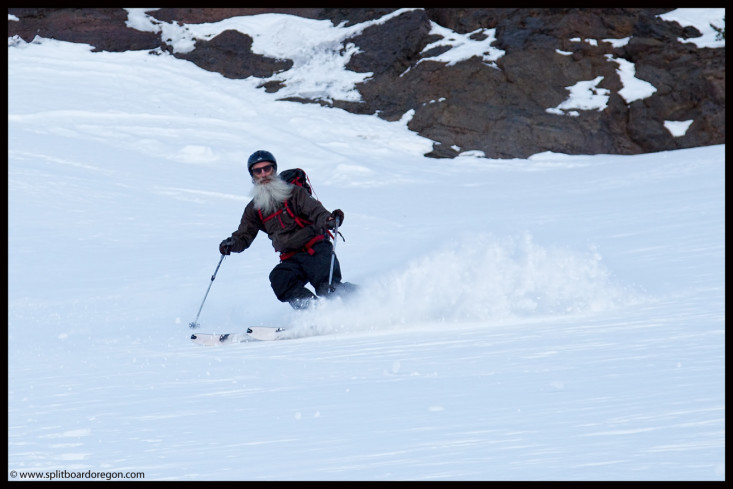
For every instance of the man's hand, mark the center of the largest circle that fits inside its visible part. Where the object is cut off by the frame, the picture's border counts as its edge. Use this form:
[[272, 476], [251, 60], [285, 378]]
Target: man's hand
[[335, 219], [225, 247]]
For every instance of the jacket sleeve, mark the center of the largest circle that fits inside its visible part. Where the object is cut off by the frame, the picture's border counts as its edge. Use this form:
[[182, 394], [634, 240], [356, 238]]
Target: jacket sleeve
[[248, 228], [311, 208]]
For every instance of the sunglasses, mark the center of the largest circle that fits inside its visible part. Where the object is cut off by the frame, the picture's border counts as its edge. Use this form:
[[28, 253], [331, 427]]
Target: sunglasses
[[264, 169]]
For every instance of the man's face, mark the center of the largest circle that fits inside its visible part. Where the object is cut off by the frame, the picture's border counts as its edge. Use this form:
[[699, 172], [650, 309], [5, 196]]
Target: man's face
[[262, 172]]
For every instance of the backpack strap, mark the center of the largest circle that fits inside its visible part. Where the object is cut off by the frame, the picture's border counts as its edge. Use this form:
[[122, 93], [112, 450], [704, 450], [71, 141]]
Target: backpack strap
[[286, 208], [300, 222]]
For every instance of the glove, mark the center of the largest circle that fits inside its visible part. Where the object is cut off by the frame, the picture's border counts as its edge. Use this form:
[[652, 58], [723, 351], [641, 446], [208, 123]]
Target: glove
[[335, 219], [225, 247]]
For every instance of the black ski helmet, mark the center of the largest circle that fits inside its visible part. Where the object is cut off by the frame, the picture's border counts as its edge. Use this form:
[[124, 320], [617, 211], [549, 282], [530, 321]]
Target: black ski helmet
[[258, 157]]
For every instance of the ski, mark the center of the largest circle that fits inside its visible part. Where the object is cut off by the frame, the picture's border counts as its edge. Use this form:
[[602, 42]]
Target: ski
[[265, 333], [260, 333]]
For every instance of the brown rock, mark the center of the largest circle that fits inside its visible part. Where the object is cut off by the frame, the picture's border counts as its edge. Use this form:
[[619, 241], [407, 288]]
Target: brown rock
[[500, 110]]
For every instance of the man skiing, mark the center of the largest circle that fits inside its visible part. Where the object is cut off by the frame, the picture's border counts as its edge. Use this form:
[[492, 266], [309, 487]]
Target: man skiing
[[297, 224]]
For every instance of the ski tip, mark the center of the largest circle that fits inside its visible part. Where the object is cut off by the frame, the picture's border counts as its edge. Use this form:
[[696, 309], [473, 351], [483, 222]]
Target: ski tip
[[193, 336]]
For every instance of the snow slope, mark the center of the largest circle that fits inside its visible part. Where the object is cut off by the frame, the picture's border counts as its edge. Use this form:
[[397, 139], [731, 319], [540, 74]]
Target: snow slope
[[555, 318]]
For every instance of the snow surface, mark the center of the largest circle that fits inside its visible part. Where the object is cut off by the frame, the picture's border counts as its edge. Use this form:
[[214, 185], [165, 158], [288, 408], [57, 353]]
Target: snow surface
[[704, 20], [554, 318], [677, 128]]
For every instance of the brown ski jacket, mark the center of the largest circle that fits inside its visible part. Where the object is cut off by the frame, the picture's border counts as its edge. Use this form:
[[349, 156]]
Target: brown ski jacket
[[297, 221]]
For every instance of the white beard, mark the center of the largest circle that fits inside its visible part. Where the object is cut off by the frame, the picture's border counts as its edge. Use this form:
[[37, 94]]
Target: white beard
[[269, 196]]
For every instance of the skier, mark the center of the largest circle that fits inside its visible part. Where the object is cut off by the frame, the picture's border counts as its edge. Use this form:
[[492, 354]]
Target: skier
[[297, 224]]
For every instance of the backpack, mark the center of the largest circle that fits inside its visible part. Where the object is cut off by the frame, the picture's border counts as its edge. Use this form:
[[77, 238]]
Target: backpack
[[296, 176]]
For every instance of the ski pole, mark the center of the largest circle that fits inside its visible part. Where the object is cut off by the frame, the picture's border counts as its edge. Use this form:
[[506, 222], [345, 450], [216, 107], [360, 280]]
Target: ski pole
[[331, 288], [195, 324]]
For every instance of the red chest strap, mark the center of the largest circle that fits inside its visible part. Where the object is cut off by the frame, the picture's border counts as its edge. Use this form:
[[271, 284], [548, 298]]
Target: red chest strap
[[300, 222]]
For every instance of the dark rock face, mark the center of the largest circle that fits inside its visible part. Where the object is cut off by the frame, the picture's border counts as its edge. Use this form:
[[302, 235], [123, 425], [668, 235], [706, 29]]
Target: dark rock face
[[103, 28], [497, 106], [230, 53]]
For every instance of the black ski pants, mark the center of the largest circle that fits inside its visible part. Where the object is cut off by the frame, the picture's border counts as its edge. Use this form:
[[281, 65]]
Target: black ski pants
[[289, 277]]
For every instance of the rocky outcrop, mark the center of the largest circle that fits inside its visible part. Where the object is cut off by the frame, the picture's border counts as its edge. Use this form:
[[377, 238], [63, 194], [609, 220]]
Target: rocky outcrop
[[507, 106], [103, 28]]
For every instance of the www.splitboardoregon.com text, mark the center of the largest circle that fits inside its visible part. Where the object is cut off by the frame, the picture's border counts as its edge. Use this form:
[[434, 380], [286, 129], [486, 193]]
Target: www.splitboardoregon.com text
[[80, 475]]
